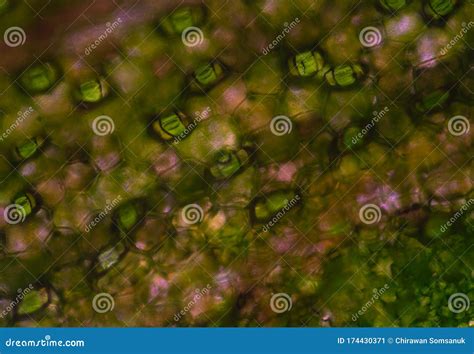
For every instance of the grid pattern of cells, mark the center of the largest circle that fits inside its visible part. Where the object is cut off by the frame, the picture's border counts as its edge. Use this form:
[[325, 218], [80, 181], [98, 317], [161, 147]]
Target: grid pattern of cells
[[236, 163]]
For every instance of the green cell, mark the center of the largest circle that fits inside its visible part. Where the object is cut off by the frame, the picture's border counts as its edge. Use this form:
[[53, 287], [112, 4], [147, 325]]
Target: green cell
[[227, 162], [228, 238], [433, 100], [27, 202], [33, 301], [92, 91], [393, 5], [182, 18], [267, 206], [208, 75], [294, 142], [4, 4], [127, 216], [306, 64], [28, 148], [353, 137], [39, 78], [344, 75], [170, 126], [437, 226], [439, 8], [349, 166]]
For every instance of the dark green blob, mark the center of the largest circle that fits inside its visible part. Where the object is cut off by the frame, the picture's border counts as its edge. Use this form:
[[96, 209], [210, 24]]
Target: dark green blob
[[273, 203], [182, 18], [436, 226], [170, 125], [33, 301], [433, 100], [351, 138], [39, 78], [439, 8], [306, 64], [4, 4], [227, 162], [127, 216], [208, 75], [28, 148], [349, 166], [92, 91], [344, 75], [27, 202], [393, 5]]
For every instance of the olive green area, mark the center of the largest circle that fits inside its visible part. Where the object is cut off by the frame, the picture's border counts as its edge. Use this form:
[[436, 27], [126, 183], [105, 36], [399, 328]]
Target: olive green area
[[237, 151]]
